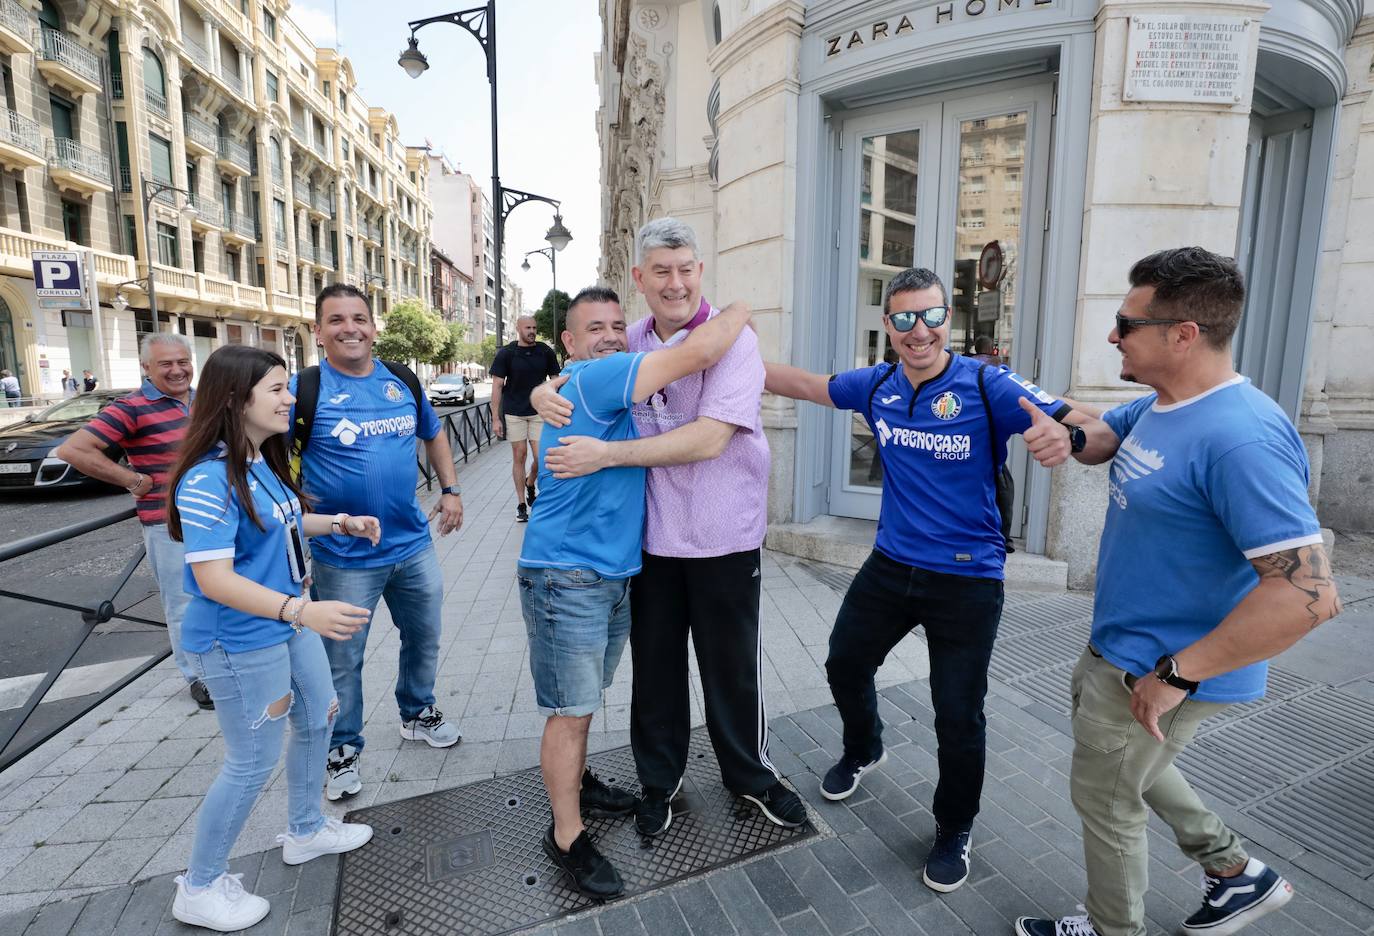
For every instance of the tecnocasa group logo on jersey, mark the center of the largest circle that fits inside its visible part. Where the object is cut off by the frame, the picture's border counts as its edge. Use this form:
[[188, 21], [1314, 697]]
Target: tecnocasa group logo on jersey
[[947, 446], [347, 431]]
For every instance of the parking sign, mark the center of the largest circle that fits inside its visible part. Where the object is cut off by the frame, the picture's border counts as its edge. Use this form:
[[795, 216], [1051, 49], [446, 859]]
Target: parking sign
[[57, 274]]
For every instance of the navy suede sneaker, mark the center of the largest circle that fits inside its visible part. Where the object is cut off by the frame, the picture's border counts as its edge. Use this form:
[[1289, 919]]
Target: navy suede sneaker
[[947, 865], [1069, 926], [1230, 903]]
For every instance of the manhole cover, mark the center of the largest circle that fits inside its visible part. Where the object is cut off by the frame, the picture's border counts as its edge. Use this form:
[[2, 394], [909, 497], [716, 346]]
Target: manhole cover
[[468, 860]]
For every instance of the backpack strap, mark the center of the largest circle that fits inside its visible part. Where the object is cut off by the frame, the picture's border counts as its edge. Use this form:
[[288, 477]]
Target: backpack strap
[[992, 426], [307, 398], [868, 411], [407, 376]]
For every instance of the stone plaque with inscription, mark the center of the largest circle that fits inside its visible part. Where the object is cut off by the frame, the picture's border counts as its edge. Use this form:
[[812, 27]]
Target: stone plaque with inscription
[[1187, 58]]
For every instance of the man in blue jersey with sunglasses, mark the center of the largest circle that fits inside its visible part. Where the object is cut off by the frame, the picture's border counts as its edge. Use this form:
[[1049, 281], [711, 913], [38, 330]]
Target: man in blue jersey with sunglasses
[[941, 422]]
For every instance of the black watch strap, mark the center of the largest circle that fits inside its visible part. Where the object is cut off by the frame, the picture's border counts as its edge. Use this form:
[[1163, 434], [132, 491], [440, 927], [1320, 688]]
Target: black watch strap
[[1166, 671]]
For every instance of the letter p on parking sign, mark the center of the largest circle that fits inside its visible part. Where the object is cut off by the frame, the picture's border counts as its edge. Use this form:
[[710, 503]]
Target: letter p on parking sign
[[57, 274]]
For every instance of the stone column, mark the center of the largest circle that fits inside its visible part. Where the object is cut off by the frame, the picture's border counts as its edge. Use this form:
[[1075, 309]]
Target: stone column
[[757, 66], [1157, 175]]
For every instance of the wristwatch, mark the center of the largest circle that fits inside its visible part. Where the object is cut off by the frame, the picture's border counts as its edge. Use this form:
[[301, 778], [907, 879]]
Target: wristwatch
[[1166, 671], [456, 489], [1078, 439]]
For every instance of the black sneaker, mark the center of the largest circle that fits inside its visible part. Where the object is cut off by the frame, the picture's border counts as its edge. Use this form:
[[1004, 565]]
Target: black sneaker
[[1234, 902], [586, 867], [522, 514], [1068, 926], [780, 806], [654, 810], [201, 693], [843, 779], [947, 864], [602, 801], [529, 495]]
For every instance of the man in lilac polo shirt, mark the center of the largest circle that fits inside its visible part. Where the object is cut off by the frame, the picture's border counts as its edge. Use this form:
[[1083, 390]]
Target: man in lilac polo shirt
[[705, 525]]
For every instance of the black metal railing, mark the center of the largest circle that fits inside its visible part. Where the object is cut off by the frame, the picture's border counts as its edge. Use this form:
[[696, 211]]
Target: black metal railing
[[91, 617], [468, 428]]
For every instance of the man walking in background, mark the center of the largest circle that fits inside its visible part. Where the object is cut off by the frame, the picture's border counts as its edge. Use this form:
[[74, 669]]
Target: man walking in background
[[518, 368], [148, 427]]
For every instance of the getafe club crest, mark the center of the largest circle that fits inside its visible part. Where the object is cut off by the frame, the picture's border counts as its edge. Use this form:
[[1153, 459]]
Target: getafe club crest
[[392, 391], [947, 405]]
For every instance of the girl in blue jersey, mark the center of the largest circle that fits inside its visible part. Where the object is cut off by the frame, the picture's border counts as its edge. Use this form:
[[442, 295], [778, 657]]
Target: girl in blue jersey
[[250, 632]]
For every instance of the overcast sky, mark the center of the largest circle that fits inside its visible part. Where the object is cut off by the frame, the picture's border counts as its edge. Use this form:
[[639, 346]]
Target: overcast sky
[[548, 102]]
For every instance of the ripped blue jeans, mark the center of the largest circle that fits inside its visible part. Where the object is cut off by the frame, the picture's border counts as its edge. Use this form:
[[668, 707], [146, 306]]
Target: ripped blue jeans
[[255, 694]]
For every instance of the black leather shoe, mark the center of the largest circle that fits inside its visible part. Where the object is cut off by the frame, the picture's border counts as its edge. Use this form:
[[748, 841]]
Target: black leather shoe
[[586, 867], [603, 801], [201, 694]]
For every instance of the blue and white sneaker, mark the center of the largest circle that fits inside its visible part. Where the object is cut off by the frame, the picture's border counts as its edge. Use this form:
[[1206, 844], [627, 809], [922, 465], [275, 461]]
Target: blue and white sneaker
[[947, 864], [1068, 926], [843, 779], [1228, 904]]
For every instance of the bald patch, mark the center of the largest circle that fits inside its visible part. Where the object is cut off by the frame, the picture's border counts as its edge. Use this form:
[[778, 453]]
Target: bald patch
[[525, 318]]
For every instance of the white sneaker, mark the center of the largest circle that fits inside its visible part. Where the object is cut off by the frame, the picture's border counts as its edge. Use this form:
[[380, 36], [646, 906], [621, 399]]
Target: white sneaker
[[429, 726], [341, 772], [332, 838], [224, 905]]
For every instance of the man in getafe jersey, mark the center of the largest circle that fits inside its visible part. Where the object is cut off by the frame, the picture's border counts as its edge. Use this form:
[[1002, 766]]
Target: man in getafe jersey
[[360, 460], [941, 422]]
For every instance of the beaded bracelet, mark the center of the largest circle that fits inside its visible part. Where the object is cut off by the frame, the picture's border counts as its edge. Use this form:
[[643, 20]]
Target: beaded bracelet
[[281, 612]]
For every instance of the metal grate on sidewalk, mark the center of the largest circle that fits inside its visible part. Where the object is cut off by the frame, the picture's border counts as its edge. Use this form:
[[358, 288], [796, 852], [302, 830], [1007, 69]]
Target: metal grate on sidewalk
[[469, 860]]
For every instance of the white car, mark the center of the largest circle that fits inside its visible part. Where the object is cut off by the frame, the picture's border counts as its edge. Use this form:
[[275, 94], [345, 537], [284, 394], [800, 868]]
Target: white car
[[450, 389]]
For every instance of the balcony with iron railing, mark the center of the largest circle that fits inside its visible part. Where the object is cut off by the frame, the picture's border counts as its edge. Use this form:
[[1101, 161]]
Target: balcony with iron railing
[[234, 157], [279, 236], [209, 213], [21, 144], [157, 101], [16, 28], [201, 135], [322, 202], [305, 251], [198, 54], [239, 227], [279, 176], [230, 79], [65, 62], [300, 190], [325, 257], [78, 168]]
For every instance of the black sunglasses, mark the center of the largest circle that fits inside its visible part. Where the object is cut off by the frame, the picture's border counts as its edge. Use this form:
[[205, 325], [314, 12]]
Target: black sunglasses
[[1124, 325], [934, 317]]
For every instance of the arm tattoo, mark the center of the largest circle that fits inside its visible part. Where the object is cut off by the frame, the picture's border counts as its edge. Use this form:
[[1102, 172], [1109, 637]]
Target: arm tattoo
[[1308, 570]]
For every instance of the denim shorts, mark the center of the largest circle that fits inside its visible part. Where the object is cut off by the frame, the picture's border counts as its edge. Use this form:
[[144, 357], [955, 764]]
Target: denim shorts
[[577, 623]]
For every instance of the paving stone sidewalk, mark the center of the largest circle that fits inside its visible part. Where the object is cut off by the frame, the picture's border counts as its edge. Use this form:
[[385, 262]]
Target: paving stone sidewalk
[[94, 825]]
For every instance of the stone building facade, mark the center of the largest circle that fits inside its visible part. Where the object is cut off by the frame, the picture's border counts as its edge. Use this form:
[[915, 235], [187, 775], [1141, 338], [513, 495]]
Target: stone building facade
[[819, 146], [296, 181]]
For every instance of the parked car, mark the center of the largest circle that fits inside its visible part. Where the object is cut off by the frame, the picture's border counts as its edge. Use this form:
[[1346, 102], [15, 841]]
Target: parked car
[[26, 448], [452, 388]]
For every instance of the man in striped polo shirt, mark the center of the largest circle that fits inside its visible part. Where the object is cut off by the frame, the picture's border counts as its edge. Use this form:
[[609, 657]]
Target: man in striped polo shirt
[[148, 427]]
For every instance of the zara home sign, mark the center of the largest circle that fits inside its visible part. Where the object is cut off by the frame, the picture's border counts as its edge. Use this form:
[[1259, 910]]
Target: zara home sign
[[1186, 58], [939, 14]]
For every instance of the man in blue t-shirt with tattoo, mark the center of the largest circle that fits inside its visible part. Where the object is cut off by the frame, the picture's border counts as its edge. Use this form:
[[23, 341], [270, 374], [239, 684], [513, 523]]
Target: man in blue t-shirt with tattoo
[[941, 423], [1211, 563]]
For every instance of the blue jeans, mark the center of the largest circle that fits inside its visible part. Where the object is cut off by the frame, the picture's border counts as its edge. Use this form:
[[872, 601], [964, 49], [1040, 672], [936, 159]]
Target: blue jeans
[[960, 615], [167, 558], [245, 686], [414, 594], [577, 623]]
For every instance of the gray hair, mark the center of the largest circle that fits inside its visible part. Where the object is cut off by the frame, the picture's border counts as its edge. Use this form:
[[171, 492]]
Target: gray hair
[[665, 232], [145, 347], [910, 280]]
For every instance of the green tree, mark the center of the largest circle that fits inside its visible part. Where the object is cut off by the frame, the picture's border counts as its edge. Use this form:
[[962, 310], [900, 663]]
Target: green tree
[[486, 351], [411, 333], [551, 317], [452, 350]]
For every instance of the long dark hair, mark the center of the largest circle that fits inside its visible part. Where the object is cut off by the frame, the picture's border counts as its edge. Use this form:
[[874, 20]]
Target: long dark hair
[[226, 384]]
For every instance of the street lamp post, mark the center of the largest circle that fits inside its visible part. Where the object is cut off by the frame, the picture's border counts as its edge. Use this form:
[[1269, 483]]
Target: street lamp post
[[151, 190], [552, 255], [480, 23]]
